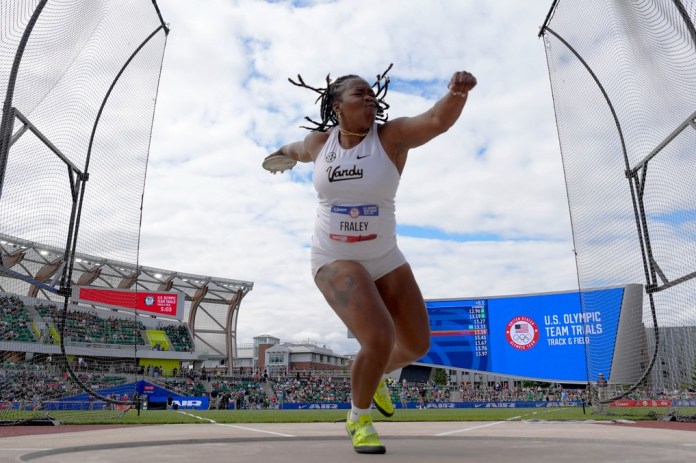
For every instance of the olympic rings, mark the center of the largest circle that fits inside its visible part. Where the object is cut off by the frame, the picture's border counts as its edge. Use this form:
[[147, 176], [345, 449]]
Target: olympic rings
[[522, 338]]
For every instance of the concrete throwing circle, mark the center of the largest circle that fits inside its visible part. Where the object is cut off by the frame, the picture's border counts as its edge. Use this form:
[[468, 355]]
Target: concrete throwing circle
[[401, 449]]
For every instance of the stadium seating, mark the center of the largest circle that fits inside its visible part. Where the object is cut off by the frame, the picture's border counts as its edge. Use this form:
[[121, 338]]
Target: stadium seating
[[15, 322], [179, 337]]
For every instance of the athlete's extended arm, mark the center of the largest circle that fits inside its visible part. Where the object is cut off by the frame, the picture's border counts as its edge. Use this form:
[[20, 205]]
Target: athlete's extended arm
[[405, 133], [305, 150]]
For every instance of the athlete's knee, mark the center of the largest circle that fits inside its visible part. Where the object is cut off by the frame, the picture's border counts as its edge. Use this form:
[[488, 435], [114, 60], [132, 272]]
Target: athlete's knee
[[416, 347], [385, 339], [379, 340]]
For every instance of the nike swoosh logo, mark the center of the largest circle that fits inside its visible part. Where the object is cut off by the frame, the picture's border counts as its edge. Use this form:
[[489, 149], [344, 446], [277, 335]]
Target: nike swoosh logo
[[364, 156]]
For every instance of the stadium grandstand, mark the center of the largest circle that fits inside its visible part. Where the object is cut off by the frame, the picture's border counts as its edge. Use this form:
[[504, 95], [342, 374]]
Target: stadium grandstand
[[191, 359], [207, 330], [105, 345]]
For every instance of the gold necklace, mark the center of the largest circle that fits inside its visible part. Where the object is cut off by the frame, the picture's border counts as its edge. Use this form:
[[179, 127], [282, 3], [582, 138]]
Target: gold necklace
[[346, 132]]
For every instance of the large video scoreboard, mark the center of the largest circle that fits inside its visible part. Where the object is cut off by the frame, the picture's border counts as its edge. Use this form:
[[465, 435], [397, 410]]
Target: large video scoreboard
[[542, 336]]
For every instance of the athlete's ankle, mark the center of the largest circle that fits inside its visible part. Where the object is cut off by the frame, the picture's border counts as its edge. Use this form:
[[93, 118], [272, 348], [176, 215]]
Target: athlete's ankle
[[356, 413]]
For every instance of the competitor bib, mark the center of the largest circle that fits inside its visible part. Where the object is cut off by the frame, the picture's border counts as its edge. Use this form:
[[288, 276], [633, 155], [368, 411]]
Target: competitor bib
[[351, 224]]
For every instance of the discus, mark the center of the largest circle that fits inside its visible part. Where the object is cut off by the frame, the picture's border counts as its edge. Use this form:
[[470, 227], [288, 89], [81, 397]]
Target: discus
[[278, 163]]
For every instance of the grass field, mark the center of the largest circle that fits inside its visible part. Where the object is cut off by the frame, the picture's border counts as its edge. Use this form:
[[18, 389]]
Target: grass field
[[327, 416]]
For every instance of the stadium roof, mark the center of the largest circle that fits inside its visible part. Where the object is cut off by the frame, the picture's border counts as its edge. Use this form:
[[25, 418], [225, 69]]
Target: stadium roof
[[211, 303]]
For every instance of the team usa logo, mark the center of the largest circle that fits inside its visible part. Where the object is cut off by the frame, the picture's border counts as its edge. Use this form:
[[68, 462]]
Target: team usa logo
[[522, 333], [149, 300]]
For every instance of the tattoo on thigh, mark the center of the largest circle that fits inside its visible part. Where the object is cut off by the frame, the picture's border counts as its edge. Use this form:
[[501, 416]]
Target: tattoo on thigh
[[337, 289], [343, 291]]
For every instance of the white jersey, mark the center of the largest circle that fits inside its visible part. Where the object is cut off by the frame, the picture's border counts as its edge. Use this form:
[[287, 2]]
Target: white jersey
[[356, 189]]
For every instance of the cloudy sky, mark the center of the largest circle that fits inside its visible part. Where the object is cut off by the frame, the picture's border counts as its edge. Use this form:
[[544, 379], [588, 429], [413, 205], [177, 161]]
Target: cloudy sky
[[482, 209]]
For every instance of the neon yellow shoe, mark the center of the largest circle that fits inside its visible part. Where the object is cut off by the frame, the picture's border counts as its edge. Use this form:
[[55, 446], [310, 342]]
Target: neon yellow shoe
[[364, 436], [382, 399]]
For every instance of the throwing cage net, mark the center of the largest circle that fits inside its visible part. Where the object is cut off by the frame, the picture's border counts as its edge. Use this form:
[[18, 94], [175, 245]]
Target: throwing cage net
[[623, 78], [79, 81]]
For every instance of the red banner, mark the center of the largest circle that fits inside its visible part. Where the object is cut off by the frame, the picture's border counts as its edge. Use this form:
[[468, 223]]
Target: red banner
[[160, 303]]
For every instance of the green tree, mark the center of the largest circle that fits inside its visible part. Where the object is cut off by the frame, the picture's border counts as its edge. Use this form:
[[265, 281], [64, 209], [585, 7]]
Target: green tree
[[440, 376]]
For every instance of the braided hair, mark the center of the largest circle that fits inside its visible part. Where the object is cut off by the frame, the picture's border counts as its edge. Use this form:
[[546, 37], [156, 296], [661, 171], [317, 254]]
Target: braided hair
[[333, 90]]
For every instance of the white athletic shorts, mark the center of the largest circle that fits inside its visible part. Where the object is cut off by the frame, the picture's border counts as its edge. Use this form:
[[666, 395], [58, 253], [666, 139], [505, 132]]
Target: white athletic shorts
[[377, 267]]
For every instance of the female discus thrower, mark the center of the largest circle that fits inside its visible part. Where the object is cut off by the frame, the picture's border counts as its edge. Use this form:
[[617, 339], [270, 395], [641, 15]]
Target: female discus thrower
[[358, 158]]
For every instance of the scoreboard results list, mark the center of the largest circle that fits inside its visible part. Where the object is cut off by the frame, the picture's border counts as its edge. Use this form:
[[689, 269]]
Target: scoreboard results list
[[460, 335]]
